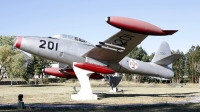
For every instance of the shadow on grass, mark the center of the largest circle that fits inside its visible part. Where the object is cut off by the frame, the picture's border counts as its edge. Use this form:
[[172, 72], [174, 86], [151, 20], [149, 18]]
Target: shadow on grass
[[176, 95], [79, 107], [40, 85]]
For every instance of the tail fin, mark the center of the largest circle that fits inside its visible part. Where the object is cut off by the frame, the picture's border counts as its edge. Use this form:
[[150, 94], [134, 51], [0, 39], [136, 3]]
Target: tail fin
[[163, 51], [163, 56]]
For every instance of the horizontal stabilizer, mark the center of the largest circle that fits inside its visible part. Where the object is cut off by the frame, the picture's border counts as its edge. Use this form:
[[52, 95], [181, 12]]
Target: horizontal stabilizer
[[169, 32], [168, 60]]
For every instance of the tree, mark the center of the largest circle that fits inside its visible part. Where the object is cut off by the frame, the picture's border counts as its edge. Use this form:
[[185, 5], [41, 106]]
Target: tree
[[192, 58], [189, 69], [11, 62], [195, 64], [30, 70], [179, 67], [39, 64], [151, 56], [6, 40]]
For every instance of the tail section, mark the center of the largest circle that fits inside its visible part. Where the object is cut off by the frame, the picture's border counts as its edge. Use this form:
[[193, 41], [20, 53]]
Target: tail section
[[163, 56], [163, 51]]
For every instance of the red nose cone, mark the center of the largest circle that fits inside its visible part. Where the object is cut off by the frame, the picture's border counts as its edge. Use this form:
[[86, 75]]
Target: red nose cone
[[18, 42]]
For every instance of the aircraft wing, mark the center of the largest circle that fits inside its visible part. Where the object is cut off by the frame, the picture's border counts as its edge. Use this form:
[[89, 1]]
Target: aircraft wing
[[132, 33], [116, 47]]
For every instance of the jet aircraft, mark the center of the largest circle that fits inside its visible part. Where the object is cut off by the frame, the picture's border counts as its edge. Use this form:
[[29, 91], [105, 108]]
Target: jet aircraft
[[85, 60]]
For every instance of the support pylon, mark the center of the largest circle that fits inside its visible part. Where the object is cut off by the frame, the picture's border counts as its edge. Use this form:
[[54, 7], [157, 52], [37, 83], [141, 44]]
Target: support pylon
[[85, 92]]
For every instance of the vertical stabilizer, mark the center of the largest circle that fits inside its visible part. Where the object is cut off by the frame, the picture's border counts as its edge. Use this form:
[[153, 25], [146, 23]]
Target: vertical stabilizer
[[163, 51]]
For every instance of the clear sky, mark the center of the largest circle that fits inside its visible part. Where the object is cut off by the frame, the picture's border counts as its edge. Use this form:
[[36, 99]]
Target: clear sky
[[86, 19]]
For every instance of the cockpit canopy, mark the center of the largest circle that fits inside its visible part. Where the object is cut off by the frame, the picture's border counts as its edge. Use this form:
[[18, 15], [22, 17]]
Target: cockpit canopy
[[65, 36]]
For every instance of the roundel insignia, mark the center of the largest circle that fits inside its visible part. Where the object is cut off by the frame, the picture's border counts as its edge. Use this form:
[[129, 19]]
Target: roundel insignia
[[133, 64]]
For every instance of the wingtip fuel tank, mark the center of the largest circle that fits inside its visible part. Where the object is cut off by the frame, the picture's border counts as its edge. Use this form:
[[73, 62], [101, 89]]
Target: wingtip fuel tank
[[57, 73], [137, 26], [95, 68], [71, 74]]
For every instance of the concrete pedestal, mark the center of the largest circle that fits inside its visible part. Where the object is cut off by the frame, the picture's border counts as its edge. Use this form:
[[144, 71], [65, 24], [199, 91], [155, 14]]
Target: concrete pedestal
[[114, 90], [113, 82], [85, 92]]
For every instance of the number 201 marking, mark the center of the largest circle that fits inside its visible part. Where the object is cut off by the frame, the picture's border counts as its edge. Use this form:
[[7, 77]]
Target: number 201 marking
[[50, 45]]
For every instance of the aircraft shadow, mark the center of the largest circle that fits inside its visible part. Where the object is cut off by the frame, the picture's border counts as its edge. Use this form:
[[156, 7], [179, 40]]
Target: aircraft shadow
[[176, 95]]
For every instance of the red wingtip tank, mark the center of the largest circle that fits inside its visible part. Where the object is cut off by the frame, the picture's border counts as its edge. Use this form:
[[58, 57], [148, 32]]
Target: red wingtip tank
[[95, 68], [57, 73], [137, 26]]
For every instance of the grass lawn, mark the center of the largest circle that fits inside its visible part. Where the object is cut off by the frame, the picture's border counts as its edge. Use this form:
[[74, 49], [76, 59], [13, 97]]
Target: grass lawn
[[133, 94]]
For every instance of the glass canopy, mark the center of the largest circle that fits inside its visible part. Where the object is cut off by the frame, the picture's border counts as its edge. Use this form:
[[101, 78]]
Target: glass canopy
[[65, 36]]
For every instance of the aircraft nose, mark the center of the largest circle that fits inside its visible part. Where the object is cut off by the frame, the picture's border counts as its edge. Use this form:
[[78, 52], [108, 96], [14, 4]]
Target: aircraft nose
[[18, 42]]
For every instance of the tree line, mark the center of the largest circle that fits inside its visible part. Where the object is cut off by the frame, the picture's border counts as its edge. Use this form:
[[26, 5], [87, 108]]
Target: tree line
[[13, 63]]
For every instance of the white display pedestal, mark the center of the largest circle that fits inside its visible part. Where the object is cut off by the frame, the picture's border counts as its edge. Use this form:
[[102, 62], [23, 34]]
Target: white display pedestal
[[85, 92], [114, 90]]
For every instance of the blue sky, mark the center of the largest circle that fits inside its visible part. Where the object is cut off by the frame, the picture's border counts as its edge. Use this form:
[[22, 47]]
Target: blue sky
[[86, 19]]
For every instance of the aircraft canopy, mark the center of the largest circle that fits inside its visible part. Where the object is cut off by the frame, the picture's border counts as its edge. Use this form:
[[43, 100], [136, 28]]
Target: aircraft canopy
[[70, 37]]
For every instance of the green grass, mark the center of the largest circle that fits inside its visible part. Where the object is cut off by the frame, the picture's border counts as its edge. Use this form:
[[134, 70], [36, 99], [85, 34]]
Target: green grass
[[133, 94]]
